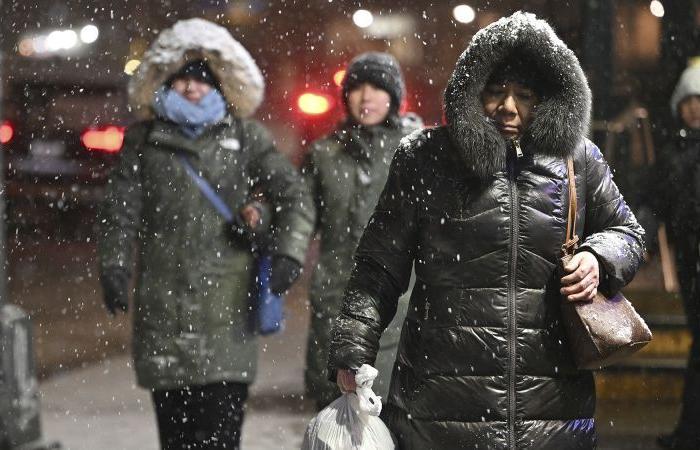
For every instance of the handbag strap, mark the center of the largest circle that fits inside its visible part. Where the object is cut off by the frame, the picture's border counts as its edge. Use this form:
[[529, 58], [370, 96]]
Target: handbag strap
[[571, 242], [206, 189]]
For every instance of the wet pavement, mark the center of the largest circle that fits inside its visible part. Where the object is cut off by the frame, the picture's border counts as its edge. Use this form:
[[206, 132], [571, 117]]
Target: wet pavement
[[100, 406]]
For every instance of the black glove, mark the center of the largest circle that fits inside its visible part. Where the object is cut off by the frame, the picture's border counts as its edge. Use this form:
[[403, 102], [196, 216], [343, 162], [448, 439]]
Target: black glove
[[283, 273], [115, 286], [257, 238], [239, 231]]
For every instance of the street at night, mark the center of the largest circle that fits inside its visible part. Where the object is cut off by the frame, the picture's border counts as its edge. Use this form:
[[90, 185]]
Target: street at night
[[449, 203]]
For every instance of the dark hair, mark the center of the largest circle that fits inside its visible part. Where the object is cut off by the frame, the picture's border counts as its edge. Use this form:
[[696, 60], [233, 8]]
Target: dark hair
[[522, 70], [199, 70]]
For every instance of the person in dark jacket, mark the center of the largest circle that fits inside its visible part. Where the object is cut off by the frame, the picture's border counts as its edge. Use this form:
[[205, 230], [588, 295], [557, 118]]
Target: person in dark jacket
[[192, 345], [479, 206], [681, 210], [345, 173]]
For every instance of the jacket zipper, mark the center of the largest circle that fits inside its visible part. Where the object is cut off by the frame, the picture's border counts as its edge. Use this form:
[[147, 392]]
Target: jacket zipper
[[518, 150], [512, 319]]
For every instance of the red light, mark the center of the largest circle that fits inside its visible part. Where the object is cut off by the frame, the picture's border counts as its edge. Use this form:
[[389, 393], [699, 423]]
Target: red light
[[314, 104], [108, 139], [7, 132], [338, 77]]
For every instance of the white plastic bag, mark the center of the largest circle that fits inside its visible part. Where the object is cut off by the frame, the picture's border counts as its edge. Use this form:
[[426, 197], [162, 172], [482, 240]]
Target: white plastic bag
[[351, 422]]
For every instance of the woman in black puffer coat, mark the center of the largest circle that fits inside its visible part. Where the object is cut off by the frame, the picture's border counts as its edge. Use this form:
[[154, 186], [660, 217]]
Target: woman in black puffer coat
[[480, 206]]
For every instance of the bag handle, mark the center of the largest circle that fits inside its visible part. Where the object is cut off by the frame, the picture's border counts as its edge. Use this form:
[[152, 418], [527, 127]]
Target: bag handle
[[571, 242]]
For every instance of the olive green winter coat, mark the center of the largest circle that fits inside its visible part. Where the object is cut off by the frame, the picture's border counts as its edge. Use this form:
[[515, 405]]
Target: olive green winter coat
[[346, 172], [191, 301]]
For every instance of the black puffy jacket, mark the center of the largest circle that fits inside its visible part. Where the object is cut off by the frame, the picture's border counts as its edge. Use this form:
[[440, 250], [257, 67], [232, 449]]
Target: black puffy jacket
[[483, 360], [678, 179]]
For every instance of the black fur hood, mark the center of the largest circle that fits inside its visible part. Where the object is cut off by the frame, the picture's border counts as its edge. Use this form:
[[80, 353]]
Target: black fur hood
[[561, 118]]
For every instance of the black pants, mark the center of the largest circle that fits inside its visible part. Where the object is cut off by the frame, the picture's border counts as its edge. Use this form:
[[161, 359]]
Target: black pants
[[201, 417]]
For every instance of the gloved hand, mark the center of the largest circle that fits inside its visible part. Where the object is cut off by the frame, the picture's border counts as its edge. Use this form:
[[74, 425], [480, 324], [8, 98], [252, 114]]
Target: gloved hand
[[283, 272], [251, 226], [115, 286], [256, 215]]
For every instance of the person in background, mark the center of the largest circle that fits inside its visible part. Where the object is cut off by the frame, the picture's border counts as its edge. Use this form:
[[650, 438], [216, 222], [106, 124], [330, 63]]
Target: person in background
[[345, 173], [680, 208], [192, 346], [480, 207]]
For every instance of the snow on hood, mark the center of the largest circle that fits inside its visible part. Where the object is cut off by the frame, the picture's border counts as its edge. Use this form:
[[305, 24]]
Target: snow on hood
[[562, 117], [241, 81]]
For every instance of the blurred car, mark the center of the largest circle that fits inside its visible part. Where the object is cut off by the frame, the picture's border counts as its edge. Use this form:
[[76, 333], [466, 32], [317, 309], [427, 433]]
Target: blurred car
[[60, 141]]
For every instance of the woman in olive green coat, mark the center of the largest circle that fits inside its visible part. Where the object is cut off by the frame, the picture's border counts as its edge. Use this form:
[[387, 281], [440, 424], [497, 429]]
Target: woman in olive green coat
[[346, 172], [192, 343]]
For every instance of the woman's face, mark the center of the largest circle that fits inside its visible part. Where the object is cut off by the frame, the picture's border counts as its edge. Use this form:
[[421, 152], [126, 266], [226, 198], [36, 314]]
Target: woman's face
[[689, 110], [511, 106], [369, 105], [191, 88]]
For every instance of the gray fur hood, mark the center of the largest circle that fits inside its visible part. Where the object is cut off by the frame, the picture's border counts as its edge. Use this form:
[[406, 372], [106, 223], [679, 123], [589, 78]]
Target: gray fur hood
[[240, 78], [561, 118]]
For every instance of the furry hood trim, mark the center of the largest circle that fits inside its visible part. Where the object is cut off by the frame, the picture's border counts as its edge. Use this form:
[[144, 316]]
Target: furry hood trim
[[239, 77], [561, 118]]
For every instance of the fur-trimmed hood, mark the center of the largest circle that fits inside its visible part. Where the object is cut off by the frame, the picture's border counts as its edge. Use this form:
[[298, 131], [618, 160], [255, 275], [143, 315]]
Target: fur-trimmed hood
[[561, 118], [241, 81]]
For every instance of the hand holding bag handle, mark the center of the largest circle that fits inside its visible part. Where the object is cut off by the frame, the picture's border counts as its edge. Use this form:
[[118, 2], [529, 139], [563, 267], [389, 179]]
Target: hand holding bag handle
[[605, 330], [269, 309]]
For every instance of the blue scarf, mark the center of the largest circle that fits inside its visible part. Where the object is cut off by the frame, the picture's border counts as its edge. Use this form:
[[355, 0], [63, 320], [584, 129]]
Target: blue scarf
[[193, 118]]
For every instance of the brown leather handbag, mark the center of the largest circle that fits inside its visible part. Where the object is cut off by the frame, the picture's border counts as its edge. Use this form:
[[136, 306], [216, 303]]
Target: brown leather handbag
[[605, 330]]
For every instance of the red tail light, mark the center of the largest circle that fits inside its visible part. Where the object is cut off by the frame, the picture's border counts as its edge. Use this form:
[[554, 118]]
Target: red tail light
[[315, 104], [108, 139], [7, 132]]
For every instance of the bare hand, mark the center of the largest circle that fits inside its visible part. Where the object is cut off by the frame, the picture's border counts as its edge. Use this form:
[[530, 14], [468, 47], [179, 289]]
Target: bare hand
[[582, 279], [346, 381], [251, 216]]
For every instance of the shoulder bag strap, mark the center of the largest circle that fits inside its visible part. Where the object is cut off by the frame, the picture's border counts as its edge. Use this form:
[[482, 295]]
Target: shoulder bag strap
[[205, 186], [206, 189], [571, 242]]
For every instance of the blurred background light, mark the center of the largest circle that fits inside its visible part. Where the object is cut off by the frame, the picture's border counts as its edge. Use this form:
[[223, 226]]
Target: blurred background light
[[391, 26], [61, 40], [131, 66], [108, 138], [362, 18], [657, 8], [54, 41], [7, 131], [39, 44], [26, 47], [89, 34], [338, 77], [464, 13], [314, 104]]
